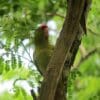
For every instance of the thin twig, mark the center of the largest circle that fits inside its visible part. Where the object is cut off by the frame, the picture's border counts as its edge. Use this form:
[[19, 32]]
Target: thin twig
[[86, 57], [26, 51], [55, 14], [94, 33]]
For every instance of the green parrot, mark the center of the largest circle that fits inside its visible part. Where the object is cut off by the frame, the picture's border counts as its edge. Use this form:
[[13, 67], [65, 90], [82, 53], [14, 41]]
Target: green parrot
[[43, 48]]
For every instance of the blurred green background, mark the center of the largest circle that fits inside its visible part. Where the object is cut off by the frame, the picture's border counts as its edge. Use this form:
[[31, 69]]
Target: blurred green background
[[18, 21]]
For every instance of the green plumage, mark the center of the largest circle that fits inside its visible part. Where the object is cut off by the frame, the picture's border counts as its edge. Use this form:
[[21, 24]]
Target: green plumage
[[43, 50]]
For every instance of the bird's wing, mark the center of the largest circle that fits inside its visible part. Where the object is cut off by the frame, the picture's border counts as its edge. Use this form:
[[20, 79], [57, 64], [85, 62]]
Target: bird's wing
[[36, 63]]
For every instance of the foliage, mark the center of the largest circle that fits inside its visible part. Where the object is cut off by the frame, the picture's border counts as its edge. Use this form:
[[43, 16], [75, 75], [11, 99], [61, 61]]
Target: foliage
[[18, 21]]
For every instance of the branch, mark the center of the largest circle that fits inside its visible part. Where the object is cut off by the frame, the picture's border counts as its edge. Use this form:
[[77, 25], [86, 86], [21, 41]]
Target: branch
[[94, 33], [63, 45], [87, 56], [26, 51], [82, 50], [55, 14]]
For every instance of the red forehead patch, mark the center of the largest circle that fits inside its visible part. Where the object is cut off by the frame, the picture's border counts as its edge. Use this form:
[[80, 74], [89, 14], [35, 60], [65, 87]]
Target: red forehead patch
[[43, 26]]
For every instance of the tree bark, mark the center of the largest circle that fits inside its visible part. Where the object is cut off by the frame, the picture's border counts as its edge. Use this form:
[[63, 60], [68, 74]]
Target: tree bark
[[60, 93], [61, 90], [63, 45]]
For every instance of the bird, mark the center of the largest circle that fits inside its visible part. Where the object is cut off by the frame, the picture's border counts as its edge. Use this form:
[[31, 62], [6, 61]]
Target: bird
[[43, 48]]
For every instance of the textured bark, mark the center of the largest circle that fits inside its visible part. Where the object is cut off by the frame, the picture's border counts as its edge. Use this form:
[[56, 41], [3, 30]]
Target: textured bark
[[60, 93], [61, 52], [61, 90]]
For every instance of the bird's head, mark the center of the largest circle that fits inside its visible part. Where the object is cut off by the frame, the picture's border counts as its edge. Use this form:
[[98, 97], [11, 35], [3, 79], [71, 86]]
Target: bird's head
[[41, 34], [44, 28]]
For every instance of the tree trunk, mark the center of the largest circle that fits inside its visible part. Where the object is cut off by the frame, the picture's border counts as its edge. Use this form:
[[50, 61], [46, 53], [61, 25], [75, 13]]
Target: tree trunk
[[61, 90], [61, 52]]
